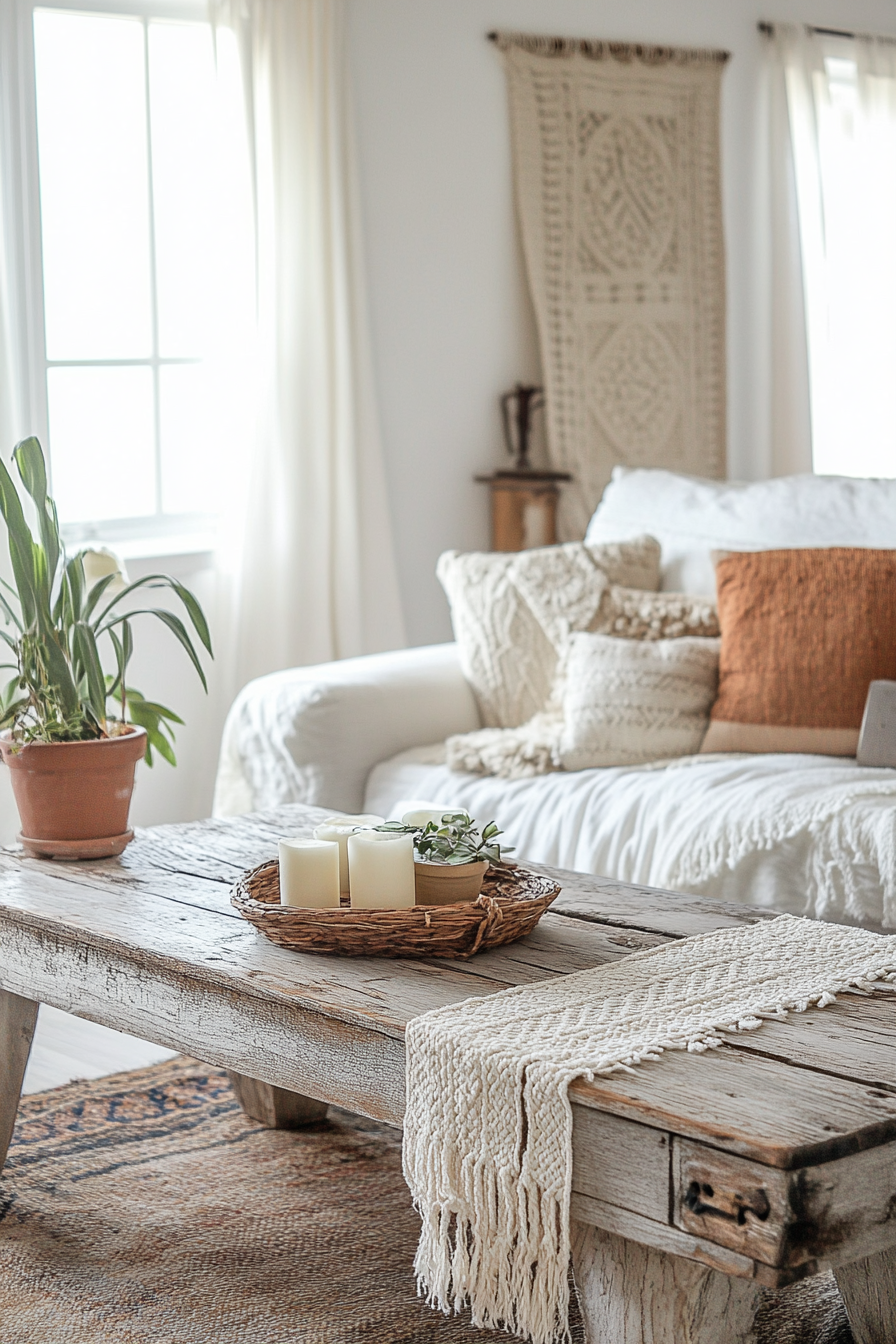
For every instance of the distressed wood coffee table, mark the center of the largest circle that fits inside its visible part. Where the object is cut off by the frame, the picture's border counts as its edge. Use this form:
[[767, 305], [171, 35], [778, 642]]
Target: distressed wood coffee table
[[700, 1181]]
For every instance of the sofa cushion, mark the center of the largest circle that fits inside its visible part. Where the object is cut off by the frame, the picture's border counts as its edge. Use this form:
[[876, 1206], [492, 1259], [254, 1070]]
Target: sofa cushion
[[691, 517], [626, 701], [804, 633], [507, 654]]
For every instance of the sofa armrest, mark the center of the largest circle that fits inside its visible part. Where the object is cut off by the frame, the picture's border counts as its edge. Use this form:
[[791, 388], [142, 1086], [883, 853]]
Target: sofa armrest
[[313, 734]]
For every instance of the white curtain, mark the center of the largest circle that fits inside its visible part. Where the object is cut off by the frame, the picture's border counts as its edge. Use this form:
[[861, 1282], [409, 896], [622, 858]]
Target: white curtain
[[841, 104], [13, 392], [12, 385], [786, 448], [307, 556]]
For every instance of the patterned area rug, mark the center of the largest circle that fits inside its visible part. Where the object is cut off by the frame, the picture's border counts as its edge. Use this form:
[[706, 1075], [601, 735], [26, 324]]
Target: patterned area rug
[[147, 1207]]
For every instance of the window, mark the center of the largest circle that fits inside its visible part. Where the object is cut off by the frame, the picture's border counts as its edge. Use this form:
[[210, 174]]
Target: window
[[143, 266], [842, 102]]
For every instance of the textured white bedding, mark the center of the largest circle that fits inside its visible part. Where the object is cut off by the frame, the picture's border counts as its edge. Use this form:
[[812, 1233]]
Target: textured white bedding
[[802, 834]]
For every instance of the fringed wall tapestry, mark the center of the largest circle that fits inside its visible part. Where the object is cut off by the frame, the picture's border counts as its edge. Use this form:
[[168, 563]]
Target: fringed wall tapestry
[[617, 174]]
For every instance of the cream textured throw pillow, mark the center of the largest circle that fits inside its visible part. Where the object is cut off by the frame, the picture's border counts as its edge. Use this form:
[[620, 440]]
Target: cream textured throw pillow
[[632, 615], [629, 701], [508, 651], [625, 615]]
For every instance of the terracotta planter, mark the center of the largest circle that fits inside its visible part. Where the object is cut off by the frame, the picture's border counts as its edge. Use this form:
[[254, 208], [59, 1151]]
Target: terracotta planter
[[448, 883], [74, 797]]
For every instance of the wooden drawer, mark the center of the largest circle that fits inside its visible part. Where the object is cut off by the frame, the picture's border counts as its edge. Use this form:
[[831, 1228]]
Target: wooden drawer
[[835, 1210]]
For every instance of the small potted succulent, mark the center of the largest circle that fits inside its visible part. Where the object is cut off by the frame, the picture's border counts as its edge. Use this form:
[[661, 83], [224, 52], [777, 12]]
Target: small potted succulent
[[72, 761], [450, 856]]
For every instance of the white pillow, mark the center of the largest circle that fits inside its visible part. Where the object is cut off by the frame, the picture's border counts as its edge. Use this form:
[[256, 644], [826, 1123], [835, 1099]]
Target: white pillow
[[691, 517], [506, 654], [629, 701]]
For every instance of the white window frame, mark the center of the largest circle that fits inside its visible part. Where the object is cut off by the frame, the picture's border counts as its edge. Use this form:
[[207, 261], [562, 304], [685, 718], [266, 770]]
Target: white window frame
[[153, 534]]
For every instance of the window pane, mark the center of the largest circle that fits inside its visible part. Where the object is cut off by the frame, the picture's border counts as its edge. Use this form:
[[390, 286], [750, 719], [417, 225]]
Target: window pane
[[182, 104], [91, 116], [852, 338], [102, 442], [190, 481]]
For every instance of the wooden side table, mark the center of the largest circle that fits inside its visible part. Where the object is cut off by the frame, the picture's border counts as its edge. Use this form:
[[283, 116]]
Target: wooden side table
[[524, 508]]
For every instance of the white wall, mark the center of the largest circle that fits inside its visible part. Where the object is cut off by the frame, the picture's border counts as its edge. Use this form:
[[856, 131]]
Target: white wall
[[452, 325]]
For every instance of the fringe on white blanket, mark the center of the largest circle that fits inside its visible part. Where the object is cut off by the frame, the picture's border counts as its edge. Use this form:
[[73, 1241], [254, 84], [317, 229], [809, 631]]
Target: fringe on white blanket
[[488, 1126], [853, 825], [509, 753]]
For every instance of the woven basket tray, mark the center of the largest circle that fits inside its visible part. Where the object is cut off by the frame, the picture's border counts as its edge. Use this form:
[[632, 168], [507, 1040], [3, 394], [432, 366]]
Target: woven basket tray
[[511, 903]]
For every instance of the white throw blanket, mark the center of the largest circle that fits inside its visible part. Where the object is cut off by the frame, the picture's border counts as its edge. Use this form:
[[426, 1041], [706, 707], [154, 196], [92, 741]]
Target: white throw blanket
[[488, 1125], [811, 835]]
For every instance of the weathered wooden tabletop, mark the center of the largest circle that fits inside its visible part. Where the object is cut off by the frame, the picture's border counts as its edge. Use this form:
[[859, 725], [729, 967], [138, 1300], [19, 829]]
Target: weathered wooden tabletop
[[767, 1159]]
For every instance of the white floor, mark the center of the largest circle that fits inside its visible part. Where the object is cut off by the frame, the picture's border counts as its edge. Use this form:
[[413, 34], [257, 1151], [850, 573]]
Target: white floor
[[67, 1047]]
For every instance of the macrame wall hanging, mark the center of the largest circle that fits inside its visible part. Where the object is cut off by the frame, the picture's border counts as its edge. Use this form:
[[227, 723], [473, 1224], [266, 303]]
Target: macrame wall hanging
[[617, 173]]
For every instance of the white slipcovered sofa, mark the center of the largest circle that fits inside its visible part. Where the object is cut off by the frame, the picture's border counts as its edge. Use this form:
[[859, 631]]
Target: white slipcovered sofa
[[798, 833]]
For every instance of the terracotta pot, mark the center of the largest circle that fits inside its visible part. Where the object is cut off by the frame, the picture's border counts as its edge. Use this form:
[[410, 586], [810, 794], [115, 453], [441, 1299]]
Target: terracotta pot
[[448, 883], [74, 797]]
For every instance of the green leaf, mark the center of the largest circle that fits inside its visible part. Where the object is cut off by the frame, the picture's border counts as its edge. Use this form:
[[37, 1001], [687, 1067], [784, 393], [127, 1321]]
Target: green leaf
[[9, 714], [174, 624], [146, 717], [59, 675], [153, 707], [113, 683], [74, 573], [11, 615], [29, 459], [21, 544], [42, 582], [87, 664], [194, 611], [96, 591]]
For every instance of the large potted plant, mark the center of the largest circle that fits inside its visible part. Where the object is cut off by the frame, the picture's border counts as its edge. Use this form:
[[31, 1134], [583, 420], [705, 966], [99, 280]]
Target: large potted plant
[[72, 760]]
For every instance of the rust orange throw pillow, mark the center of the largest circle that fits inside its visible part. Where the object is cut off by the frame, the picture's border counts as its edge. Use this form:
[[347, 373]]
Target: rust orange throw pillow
[[803, 635]]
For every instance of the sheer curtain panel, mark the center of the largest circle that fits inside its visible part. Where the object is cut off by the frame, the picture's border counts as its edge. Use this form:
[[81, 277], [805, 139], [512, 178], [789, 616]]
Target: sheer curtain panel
[[841, 103], [306, 556], [788, 447]]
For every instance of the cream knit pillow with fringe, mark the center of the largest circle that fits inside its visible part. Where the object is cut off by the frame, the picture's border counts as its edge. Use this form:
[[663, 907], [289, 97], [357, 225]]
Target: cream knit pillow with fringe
[[628, 699], [508, 652]]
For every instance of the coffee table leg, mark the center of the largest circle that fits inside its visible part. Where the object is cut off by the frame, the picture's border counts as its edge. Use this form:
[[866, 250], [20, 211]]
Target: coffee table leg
[[18, 1018], [868, 1289], [631, 1293], [276, 1107]]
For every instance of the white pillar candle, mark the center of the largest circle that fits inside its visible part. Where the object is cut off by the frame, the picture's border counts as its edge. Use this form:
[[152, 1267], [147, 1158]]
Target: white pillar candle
[[381, 870], [309, 873], [339, 829], [422, 816]]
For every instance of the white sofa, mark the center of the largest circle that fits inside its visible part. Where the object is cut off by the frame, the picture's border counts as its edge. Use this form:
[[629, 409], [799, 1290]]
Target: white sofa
[[805, 834]]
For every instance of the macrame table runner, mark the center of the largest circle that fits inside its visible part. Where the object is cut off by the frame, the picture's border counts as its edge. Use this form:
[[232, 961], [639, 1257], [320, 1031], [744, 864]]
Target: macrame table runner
[[488, 1126]]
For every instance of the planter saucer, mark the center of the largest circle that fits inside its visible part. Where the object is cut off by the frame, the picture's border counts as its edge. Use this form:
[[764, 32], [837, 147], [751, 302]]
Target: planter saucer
[[102, 847]]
